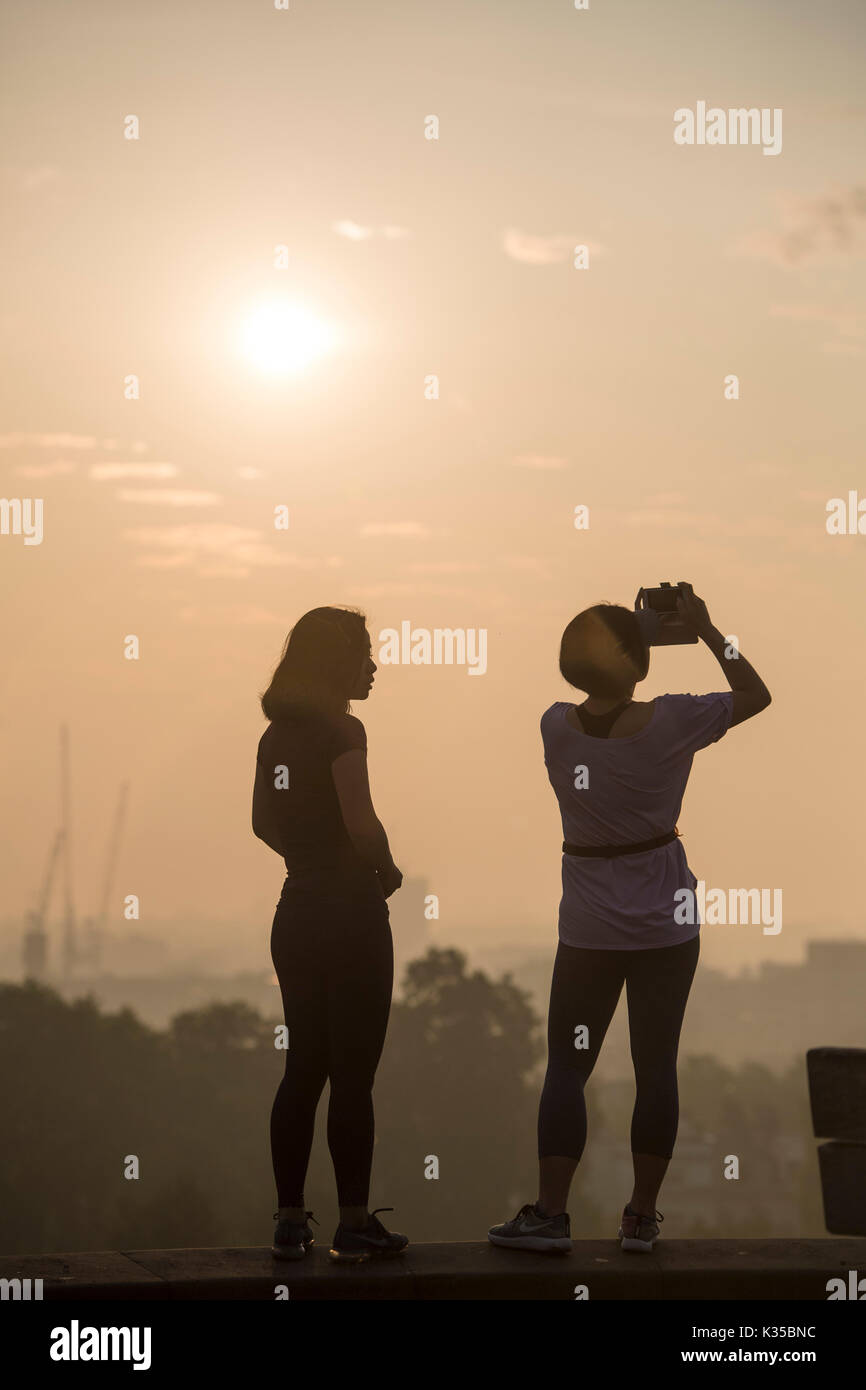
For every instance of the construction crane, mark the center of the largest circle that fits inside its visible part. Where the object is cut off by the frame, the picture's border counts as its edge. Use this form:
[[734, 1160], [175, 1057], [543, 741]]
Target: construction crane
[[94, 927], [35, 944], [113, 852], [69, 936], [74, 952]]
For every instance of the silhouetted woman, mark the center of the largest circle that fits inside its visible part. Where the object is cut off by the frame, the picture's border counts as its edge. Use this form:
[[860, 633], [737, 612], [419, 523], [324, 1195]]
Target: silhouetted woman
[[619, 768], [331, 937]]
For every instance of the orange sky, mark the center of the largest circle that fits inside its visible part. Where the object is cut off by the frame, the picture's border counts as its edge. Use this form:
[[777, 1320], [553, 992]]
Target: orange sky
[[557, 387]]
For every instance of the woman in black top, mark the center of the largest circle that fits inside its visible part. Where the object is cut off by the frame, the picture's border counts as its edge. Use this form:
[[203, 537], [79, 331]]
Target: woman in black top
[[331, 937]]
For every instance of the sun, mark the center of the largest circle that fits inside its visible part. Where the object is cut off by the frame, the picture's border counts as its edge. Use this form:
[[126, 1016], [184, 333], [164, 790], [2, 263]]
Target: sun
[[281, 337]]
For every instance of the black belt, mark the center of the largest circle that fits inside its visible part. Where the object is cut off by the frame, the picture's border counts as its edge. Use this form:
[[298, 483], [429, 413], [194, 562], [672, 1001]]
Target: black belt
[[614, 851]]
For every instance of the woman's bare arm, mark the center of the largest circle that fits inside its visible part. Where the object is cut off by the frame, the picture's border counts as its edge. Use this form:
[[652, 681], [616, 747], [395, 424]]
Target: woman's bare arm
[[363, 826], [750, 693], [264, 822]]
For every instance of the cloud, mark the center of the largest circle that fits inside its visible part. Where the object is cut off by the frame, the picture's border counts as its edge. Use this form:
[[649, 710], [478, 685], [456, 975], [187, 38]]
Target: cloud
[[202, 546], [528, 564], [812, 229], [39, 176], [844, 349], [446, 567], [389, 590], [848, 323], [132, 470], [353, 231], [722, 528], [543, 250], [169, 496], [33, 179], [664, 516], [47, 441], [46, 470], [233, 614], [539, 461], [394, 528]]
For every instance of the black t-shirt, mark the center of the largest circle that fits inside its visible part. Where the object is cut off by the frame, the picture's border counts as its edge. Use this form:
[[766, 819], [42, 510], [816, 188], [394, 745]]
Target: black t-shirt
[[296, 756]]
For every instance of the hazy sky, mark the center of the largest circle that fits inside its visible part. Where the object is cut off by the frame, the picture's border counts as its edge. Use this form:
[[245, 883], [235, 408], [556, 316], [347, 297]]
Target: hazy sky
[[558, 386]]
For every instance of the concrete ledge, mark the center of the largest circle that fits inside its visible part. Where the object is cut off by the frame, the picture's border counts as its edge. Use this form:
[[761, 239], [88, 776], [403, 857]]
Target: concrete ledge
[[676, 1270]]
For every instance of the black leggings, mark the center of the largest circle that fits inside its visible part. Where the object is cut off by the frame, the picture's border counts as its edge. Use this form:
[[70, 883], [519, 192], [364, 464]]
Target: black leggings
[[585, 990], [332, 951]]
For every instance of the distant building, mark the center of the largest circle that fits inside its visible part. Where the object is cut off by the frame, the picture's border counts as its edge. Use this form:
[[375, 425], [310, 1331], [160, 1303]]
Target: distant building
[[833, 958]]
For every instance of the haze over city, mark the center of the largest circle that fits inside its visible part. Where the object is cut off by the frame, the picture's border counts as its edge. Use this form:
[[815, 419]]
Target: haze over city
[[307, 386]]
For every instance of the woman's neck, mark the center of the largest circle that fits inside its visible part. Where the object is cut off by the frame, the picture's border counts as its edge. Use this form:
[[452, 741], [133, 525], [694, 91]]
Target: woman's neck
[[596, 705]]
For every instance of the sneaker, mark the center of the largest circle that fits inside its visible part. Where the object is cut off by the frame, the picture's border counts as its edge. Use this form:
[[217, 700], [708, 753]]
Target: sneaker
[[374, 1241], [638, 1232], [529, 1231], [292, 1239]]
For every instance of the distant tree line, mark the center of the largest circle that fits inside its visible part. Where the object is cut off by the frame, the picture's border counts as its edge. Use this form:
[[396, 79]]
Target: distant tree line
[[84, 1092]]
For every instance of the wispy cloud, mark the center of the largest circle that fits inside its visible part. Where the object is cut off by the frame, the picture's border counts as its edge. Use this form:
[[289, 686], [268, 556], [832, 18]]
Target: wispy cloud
[[33, 178], [849, 325], [812, 229], [529, 564], [844, 349], [543, 461], [132, 470], [721, 528], [394, 528], [354, 231], [402, 589], [210, 547], [46, 470], [669, 516], [232, 614], [168, 497], [47, 441], [446, 567], [533, 249]]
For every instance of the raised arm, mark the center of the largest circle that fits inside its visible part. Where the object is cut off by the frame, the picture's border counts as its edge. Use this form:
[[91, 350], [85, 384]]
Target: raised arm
[[750, 694], [363, 826]]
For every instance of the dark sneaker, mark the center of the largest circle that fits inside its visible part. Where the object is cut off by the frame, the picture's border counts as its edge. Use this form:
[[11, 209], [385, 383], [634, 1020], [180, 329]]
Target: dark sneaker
[[529, 1231], [292, 1239], [638, 1232], [374, 1242]]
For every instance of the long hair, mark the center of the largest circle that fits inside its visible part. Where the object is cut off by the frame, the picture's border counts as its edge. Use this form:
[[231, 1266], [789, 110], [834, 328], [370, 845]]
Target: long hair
[[319, 666], [603, 651]]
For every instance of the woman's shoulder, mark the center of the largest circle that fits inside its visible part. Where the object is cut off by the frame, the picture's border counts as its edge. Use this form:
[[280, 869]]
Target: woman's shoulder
[[314, 730], [554, 711], [345, 732], [347, 723]]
